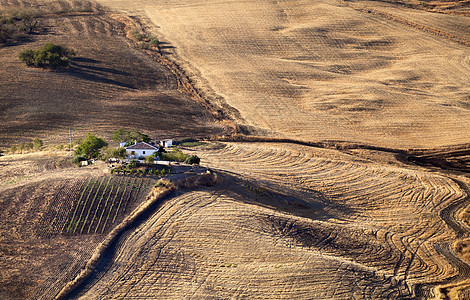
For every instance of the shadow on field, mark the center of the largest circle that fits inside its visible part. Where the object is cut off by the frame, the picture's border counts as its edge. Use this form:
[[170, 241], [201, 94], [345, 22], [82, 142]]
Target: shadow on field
[[310, 203], [82, 68], [162, 46]]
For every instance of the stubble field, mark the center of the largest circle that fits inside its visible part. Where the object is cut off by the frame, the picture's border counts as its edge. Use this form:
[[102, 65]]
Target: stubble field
[[315, 70], [361, 220]]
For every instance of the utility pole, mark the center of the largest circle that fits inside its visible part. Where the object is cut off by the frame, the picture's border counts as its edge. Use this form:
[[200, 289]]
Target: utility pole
[[70, 134]]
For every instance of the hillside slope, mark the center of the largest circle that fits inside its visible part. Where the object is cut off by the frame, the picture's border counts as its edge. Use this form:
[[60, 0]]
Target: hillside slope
[[327, 69]]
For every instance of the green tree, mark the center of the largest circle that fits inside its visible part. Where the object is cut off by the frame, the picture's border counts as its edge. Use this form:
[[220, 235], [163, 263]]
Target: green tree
[[90, 146], [50, 55], [37, 144], [129, 136], [192, 160]]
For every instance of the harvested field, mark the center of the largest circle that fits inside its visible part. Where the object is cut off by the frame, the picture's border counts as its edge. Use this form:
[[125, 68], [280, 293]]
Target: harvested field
[[324, 69], [366, 198], [111, 84], [293, 222]]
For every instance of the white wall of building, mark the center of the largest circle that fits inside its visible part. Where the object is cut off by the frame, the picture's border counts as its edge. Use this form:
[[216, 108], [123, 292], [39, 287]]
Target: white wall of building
[[139, 153]]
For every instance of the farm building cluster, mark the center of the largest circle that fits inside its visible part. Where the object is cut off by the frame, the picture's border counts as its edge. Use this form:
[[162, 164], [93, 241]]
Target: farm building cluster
[[144, 149]]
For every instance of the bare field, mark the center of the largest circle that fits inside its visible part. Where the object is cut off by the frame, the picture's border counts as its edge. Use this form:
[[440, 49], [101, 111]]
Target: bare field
[[111, 83], [51, 222], [323, 69], [294, 222]]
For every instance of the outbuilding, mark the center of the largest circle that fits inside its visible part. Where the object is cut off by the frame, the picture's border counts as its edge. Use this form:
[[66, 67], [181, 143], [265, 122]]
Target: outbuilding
[[166, 143], [141, 149]]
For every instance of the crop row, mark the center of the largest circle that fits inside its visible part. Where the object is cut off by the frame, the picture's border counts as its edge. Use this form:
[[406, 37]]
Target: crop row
[[99, 202]]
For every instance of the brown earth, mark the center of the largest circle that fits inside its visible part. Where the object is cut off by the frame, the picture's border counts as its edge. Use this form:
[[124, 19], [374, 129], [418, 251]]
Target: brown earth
[[360, 195], [111, 83], [325, 69]]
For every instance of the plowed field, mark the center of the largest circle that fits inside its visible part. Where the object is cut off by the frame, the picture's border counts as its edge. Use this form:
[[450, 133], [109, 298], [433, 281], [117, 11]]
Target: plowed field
[[327, 69], [294, 222], [51, 220], [286, 221], [111, 83]]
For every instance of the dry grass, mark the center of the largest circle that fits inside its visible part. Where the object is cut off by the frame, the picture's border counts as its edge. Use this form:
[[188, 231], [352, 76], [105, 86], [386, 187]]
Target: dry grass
[[324, 69], [293, 222]]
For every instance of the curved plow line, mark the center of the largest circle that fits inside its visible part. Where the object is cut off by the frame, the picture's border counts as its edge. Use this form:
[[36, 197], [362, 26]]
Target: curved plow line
[[106, 205], [84, 205], [120, 201], [91, 206], [76, 208], [110, 209], [98, 206]]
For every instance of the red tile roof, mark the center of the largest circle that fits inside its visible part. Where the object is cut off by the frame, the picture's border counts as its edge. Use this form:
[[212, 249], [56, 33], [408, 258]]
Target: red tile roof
[[142, 146]]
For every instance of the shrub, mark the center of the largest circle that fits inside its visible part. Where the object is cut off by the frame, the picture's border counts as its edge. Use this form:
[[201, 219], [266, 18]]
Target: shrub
[[147, 41], [192, 160], [129, 136], [50, 55], [133, 163], [79, 158], [149, 159], [113, 153], [37, 144], [112, 171], [13, 149], [175, 155], [90, 146]]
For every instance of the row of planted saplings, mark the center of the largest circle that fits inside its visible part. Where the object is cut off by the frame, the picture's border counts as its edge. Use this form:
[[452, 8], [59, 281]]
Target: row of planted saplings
[[141, 172]]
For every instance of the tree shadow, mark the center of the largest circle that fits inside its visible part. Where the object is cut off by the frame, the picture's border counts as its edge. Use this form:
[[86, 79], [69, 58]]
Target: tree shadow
[[81, 67], [163, 46]]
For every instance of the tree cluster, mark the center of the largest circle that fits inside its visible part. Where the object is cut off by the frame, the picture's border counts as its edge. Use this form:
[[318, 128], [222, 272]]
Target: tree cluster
[[130, 136], [15, 24], [33, 145], [50, 55], [89, 147]]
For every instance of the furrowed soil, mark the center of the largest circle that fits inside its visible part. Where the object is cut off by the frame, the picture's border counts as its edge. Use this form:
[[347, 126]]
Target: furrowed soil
[[363, 196], [53, 216], [111, 83], [314, 70]]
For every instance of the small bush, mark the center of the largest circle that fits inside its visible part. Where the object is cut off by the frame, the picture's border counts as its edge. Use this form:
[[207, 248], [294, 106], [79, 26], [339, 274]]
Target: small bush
[[77, 159], [175, 155], [192, 160], [149, 159], [133, 163], [49, 56]]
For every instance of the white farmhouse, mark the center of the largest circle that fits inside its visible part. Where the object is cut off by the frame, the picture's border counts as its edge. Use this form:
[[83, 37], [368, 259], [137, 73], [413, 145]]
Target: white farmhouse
[[166, 143], [141, 149]]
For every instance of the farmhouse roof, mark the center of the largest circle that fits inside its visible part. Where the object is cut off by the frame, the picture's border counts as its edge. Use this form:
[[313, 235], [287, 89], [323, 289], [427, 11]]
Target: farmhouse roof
[[142, 146]]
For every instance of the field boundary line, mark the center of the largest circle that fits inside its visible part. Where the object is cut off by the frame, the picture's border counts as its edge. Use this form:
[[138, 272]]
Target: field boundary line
[[423, 28]]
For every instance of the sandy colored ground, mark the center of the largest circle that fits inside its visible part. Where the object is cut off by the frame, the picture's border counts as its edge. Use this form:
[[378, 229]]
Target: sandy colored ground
[[293, 222], [317, 70], [287, 221]]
